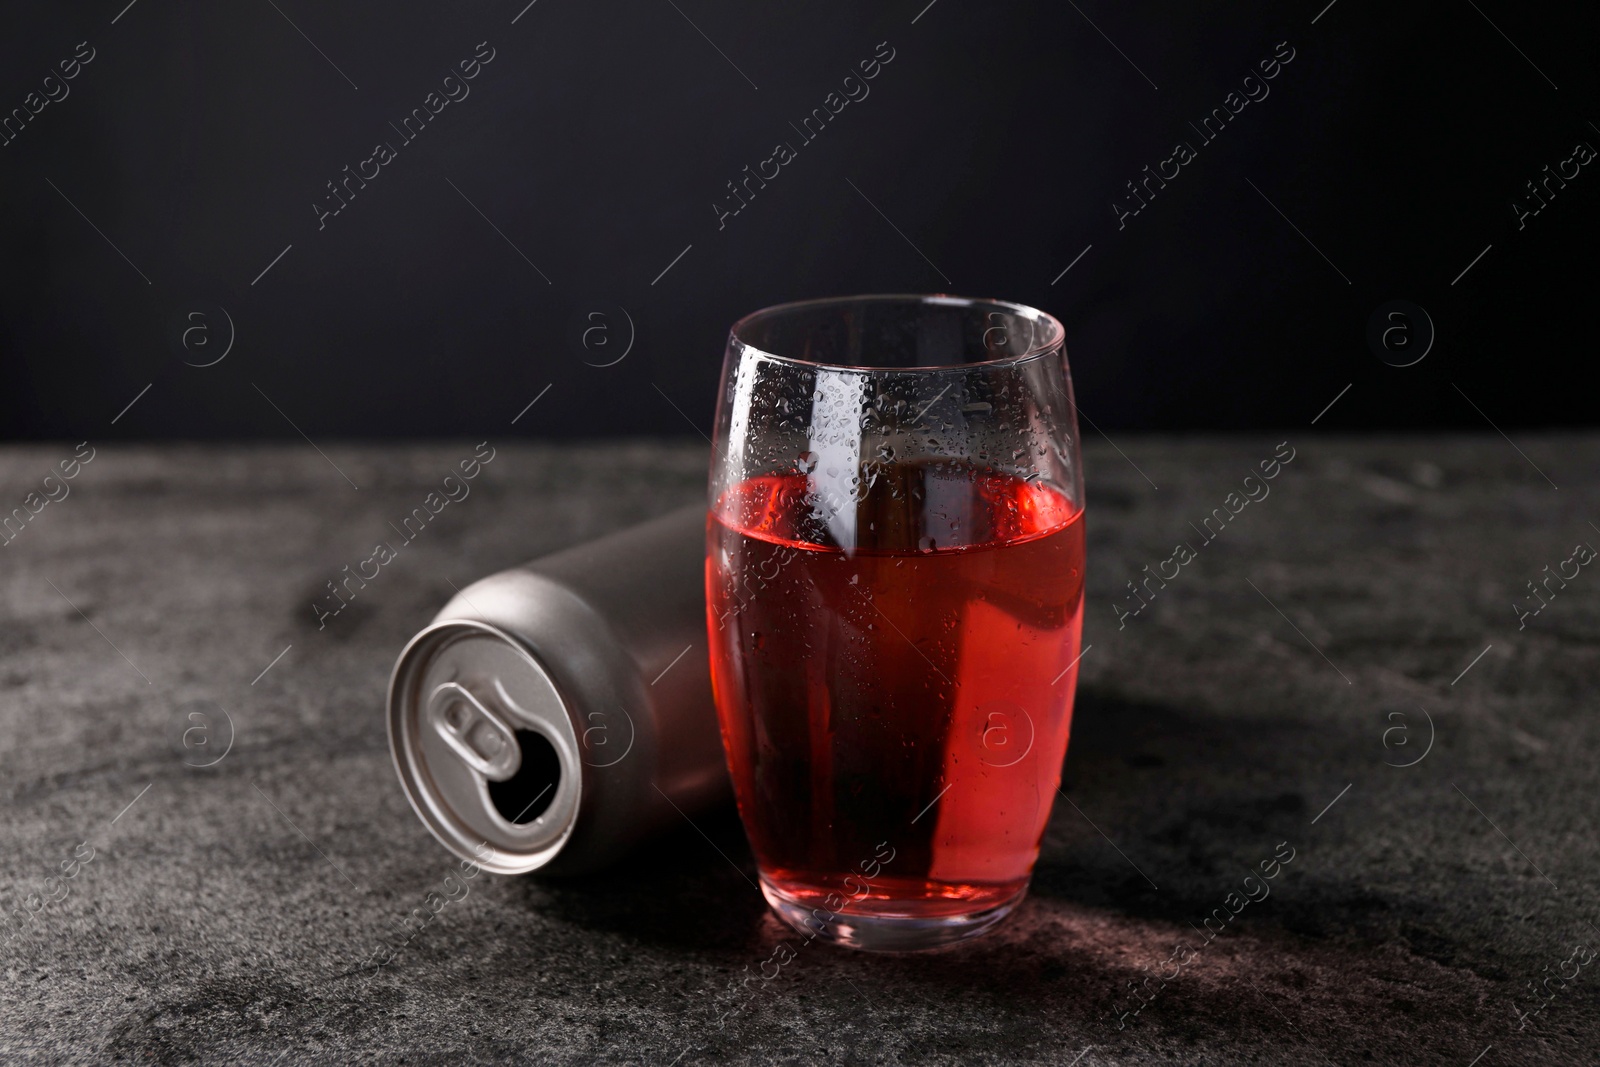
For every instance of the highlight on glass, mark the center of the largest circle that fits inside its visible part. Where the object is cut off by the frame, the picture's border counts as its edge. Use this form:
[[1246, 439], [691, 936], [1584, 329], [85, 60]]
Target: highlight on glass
[[894, 576]]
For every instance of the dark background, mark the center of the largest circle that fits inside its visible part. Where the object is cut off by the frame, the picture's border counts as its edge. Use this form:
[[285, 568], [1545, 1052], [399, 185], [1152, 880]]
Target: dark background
[[200, 135]]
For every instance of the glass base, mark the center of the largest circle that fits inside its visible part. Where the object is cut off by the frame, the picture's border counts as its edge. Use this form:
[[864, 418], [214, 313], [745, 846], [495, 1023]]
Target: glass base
[[888, 929]]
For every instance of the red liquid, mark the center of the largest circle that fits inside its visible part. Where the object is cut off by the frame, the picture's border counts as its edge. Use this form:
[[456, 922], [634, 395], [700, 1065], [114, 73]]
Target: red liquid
[[910, 698]]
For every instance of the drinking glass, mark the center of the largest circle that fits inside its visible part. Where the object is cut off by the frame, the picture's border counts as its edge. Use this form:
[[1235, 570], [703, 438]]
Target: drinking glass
[[894, 580]]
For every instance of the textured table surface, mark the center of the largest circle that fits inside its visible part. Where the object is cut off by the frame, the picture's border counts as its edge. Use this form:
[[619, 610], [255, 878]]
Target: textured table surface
[[1356, 620]]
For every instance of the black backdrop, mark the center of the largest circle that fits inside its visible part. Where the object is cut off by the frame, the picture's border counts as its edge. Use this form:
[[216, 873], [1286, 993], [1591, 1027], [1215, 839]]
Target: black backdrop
[[176, 175]]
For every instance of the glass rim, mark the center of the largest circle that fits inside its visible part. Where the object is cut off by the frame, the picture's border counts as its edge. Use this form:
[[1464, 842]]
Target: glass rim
[[1055, 339]]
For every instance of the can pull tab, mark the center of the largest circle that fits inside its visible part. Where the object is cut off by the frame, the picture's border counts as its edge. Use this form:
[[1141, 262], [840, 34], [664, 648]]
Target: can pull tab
[[479, 736]]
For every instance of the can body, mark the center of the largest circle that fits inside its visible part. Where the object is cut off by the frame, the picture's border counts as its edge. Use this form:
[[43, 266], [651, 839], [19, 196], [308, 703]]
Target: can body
[[554, 714]]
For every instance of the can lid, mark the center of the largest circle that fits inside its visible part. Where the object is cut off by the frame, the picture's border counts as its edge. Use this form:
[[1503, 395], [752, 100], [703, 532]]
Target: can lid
[[485, 746]]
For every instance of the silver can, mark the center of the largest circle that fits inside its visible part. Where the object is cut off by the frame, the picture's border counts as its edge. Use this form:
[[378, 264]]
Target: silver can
[[554, 714]]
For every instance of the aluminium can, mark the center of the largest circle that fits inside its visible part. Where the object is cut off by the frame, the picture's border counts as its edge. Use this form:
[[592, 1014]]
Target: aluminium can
[[555, 714]]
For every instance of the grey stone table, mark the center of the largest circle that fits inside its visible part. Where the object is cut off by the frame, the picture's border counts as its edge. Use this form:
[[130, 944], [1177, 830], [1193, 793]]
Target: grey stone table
[[1338, 675]]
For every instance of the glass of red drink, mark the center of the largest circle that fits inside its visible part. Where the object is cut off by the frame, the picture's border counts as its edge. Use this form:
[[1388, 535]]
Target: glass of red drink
[[894, 579]]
